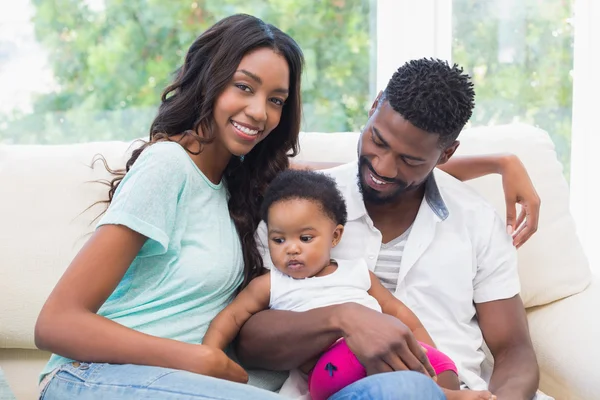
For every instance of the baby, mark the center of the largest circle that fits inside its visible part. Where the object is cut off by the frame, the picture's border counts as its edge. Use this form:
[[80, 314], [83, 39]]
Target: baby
[[305, 216]]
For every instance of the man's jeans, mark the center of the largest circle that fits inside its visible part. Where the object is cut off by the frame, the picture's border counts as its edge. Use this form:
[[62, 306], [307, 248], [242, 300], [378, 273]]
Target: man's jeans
[[131, 382]]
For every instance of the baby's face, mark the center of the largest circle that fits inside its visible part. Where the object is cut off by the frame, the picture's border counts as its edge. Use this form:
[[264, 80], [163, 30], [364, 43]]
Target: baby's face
[[301, 236]]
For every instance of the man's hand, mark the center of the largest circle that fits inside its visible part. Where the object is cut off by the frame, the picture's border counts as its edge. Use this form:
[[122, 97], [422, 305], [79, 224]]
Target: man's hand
[[381, 342], [518, 189]]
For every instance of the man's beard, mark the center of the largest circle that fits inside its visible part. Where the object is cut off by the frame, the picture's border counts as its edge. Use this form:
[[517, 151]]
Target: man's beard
[[371, 195]]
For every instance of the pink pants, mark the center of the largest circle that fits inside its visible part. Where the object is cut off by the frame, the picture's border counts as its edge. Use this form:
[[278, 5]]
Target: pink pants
[[339, 367]]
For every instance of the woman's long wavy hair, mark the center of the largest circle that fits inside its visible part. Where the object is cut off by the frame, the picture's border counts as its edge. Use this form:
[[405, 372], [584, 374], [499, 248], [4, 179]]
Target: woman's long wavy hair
[[187, 108]]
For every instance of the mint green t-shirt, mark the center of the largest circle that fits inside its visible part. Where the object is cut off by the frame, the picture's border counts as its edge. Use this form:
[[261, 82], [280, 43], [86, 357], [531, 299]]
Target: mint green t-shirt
[[191, 265]]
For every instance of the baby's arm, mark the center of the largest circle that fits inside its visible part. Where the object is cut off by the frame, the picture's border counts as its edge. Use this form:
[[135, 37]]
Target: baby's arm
[[392, 306], [227, 324]]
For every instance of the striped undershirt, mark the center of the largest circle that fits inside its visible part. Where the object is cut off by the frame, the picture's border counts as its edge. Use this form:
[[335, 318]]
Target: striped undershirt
[[387, 267]]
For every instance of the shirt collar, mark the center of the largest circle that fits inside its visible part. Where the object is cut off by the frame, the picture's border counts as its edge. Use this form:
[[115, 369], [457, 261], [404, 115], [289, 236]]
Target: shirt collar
[[356, 206]]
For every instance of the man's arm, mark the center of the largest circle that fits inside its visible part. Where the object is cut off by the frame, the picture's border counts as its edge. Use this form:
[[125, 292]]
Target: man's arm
[[500, 311], [505, 330], [284, 340], [227, 324], [391, 305]]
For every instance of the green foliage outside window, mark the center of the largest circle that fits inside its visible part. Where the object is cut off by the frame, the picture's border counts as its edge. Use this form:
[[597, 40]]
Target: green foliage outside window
[[112, 62], [520, 55]]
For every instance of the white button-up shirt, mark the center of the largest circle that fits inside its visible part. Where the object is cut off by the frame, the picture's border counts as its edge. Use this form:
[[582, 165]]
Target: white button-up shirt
[[458, 253]]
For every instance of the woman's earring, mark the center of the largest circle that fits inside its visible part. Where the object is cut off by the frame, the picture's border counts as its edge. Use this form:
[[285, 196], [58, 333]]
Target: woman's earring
[[241, 158]]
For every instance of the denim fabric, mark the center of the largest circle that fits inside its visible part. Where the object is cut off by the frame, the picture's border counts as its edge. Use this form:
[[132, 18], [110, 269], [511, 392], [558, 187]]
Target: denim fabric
[[130, 382]]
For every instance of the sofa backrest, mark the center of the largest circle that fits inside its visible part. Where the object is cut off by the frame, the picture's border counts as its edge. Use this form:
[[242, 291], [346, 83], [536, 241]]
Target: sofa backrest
[[45, 219]]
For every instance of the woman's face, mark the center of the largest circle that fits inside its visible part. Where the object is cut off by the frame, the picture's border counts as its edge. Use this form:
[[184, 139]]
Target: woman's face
[[250, 107]]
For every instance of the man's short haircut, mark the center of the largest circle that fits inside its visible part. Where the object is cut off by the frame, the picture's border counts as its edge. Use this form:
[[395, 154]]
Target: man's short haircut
[[433, 96]]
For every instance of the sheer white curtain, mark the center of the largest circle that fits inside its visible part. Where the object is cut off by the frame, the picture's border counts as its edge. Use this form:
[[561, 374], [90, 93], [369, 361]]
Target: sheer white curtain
[[585, 138]]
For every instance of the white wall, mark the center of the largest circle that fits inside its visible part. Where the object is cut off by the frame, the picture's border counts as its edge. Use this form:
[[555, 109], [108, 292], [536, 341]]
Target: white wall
[[409, 29], [585, 139]]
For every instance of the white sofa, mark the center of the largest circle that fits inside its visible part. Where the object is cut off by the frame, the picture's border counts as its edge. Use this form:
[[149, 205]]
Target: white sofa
[[43, 222]]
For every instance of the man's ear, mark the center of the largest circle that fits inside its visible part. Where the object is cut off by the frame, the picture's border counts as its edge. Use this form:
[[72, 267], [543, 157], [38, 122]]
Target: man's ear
[[448, 152], [337, 235], [375, 103]]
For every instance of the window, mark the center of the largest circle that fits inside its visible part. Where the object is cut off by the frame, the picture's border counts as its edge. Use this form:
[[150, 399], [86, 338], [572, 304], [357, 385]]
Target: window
[[520, 55], [89, 70]]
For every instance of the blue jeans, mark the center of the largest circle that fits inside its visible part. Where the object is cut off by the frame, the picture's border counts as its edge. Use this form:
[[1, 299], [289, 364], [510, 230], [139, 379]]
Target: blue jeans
[[131, 382]]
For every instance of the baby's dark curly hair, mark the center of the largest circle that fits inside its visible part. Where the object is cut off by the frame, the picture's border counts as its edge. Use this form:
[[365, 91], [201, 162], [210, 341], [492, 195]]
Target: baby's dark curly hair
[[433, 96], [306, 185]]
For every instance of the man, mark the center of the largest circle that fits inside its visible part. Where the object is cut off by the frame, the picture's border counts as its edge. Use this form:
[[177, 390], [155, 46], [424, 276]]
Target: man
[[430, 239]]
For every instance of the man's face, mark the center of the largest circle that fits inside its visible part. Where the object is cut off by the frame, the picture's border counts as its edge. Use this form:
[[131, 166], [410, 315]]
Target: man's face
[[394, 156]]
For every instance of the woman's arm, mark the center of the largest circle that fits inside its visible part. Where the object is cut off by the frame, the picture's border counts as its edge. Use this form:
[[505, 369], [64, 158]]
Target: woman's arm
[[465, 168], [312, 165], [390, 305], [265, 340], [518, 189], [227, 324], [68, 324]]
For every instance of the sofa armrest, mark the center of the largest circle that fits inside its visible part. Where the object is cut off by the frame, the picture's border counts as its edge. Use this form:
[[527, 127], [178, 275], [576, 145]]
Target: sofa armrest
[[565, 336]]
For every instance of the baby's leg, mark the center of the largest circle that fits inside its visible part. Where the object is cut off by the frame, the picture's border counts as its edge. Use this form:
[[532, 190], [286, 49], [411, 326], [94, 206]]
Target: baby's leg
[[337, 368], [448, 380], [447, 377], [449, 383]]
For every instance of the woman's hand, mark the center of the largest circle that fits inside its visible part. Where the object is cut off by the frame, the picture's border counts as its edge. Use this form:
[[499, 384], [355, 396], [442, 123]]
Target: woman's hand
[[210, 361], [518, 189]]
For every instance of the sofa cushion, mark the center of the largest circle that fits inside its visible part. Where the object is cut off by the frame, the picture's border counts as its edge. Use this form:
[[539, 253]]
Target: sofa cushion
[[564, 336], [552, 264], [44, 223]]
